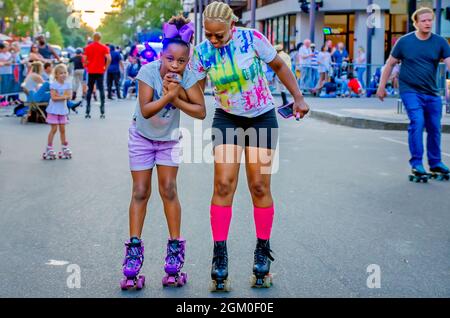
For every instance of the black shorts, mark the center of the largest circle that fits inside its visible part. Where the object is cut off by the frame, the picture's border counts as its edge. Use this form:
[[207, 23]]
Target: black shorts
[[261, 131]]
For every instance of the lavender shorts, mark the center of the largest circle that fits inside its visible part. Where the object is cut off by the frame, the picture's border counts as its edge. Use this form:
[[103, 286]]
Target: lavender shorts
[[144, 153]]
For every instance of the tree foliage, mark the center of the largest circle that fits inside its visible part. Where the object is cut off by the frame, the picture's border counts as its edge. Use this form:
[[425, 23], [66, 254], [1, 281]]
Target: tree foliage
[[14, 12], [145, 15], [54, 30], [17, 16]]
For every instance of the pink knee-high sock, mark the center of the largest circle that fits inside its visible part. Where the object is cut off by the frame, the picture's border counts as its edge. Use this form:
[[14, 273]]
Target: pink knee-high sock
[[263, 221], [220, 222]]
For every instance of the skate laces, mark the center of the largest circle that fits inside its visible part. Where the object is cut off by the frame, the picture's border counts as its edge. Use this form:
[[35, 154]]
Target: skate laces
[[262, 253], [221, 257], [134, 253], [174, 255]]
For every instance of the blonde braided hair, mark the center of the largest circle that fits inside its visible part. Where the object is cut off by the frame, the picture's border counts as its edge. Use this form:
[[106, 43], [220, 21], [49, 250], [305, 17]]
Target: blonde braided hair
[[219, 11]]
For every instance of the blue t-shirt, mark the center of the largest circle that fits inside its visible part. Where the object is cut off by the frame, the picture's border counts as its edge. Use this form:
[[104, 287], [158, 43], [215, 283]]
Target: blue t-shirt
[[133, 70], [419, 62], [164, 125], [114, 67], [59, 107], [339, 56]]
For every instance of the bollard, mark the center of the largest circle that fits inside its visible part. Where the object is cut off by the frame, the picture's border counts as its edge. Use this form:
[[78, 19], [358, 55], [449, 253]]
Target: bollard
[[399, 106]]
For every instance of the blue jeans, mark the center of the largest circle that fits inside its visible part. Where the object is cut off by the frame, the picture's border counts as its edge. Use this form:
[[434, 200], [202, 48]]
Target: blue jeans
[[314, 77], [306, 77], [361, 71], [128, 83], [342, 86], [424, 111]]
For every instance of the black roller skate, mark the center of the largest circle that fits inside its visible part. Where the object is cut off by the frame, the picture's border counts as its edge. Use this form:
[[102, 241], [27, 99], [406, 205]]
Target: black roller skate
[[419, 175], [261, 268], [219, 269], [440, 172]]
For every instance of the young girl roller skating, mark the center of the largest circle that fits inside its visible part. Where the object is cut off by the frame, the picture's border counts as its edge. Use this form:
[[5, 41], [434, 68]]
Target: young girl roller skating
[[57, 110], [166, 86]]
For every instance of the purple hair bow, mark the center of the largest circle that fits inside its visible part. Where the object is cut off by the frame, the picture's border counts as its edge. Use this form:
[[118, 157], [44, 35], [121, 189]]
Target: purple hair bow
[[170, 31]]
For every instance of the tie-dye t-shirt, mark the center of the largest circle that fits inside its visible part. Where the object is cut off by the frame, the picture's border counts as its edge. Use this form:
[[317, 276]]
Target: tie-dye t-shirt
[[236, 72]]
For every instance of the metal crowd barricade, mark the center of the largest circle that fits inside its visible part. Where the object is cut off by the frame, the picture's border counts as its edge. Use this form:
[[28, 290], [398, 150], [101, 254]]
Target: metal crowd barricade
[[10, 83], [373, 73], [337, 71]]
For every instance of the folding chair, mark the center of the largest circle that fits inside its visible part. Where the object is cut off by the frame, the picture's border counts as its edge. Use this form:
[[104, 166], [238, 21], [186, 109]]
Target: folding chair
[[36, 113]]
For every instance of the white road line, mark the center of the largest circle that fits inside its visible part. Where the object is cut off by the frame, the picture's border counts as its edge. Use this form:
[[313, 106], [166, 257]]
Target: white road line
[[406, 144], [53, 262], [395, 141]]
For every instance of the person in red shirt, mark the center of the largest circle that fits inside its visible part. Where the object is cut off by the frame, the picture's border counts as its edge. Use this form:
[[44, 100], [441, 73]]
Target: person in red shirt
[[354, 85], [96, 60]]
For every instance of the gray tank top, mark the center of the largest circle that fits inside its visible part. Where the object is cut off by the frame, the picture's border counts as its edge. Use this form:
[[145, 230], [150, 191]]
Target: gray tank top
[[45, 52]]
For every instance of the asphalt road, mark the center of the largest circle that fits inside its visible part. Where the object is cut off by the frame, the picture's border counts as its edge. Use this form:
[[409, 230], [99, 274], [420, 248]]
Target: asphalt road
[[343, 202]]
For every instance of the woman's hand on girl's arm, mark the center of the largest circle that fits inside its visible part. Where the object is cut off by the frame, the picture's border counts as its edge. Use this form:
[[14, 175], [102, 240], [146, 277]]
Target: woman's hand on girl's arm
[[149, 107]]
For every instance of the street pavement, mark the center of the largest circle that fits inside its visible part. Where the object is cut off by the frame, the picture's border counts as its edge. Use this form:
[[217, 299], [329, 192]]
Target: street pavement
[[342, 198]]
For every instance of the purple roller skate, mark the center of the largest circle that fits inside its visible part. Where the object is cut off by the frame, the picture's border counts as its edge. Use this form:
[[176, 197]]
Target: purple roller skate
[[132, 264], [174, 263]]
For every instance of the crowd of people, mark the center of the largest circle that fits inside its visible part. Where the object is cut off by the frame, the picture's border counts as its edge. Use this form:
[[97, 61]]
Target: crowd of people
[[329, 72], [31, 72], [326, 72]]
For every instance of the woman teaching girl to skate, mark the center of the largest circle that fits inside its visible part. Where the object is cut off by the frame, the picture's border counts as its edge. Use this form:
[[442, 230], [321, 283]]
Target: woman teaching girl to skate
[[244, 122]]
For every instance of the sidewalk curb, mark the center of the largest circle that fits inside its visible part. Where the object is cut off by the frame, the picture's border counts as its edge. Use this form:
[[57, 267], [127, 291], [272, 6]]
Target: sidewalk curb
[[363, 123]]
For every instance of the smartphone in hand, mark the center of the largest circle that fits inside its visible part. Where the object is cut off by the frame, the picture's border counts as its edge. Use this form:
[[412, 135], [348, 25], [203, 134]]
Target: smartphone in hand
[[287, 111]]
